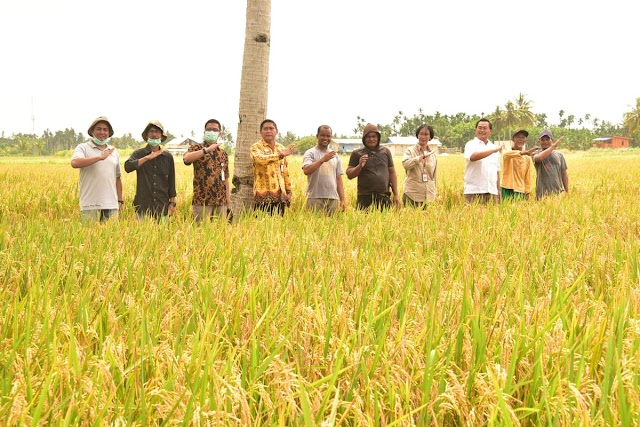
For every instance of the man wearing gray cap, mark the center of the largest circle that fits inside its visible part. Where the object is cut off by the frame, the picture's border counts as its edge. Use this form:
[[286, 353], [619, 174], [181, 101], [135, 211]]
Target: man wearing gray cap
[[99, 164], [550, 166]]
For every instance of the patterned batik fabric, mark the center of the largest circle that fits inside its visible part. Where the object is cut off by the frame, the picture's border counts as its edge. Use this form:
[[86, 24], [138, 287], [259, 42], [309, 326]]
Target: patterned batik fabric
[[208, 185], [271, 182]]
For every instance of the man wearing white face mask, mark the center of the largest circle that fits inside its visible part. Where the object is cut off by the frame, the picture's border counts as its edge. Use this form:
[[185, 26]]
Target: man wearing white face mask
[[211, 189], [155, 175], [99, 164]]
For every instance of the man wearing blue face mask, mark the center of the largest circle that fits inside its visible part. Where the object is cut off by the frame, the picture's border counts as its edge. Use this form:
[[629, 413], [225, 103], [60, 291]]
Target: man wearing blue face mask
[[155, 175], [99, 164], [211, 189]]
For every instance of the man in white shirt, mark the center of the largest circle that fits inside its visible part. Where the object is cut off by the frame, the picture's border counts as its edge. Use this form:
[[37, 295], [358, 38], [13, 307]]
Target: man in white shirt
[[99, 164], [482, 167], [321, 165]]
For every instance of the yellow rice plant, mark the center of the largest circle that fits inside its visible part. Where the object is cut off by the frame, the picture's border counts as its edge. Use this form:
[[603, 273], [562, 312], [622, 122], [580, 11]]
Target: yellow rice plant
[[519, 314]]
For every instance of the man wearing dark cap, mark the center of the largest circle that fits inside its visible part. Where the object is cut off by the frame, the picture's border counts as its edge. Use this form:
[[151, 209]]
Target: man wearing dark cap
[[551, 167], [373, 165], [155, 175], [516, 169], [99, 164]]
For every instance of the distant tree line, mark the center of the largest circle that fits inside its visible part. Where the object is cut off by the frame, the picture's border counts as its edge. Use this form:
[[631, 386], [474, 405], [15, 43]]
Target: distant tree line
[[49, 143], [452, 130], [455, 130]]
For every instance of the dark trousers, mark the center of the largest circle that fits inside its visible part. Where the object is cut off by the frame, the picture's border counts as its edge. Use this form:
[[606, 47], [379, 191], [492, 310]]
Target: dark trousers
[[271, 208], [373, 201]]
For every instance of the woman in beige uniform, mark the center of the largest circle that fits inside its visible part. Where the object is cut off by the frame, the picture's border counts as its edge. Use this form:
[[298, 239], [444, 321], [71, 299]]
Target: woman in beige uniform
[[421, 164]]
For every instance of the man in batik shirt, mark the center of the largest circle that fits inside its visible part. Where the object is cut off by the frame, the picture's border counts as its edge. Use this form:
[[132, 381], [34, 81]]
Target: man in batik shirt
[[211, 189], [271, 185]]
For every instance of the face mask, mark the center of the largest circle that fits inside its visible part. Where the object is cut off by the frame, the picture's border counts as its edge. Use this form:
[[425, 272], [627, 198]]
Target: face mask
[[211, 136], [98, 142], [153, 142]]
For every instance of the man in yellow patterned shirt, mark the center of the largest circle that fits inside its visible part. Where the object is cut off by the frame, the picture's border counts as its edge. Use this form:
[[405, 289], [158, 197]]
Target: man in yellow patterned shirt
[[516, 169], [271, 185]]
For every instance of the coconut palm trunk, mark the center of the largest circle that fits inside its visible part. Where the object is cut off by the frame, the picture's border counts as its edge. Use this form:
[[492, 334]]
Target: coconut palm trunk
[[253, 98]]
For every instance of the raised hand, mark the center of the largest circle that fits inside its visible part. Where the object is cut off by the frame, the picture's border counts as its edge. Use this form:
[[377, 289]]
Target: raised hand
[[155, 154], [557, 141], [330, 155], [106, 153]]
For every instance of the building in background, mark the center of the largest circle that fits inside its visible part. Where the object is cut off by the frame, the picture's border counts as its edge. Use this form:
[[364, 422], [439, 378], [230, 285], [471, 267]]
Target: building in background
[[179, 145], [611, 142]]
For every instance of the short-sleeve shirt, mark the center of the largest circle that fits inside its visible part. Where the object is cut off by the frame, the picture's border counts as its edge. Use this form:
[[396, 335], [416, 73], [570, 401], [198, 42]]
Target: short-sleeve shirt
[[481, 176], [549, 179], [374, 176], [322, 184], [516, 172], [209, 175], [97, 181]]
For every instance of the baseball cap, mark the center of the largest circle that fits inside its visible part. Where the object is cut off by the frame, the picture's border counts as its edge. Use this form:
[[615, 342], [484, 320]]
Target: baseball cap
[[546, 133]]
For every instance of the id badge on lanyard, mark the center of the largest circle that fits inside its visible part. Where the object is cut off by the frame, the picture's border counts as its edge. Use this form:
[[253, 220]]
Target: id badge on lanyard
[[425, 176], [222, 171]]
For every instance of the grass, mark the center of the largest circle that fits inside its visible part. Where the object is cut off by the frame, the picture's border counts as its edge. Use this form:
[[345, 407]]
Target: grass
[[522, 314]]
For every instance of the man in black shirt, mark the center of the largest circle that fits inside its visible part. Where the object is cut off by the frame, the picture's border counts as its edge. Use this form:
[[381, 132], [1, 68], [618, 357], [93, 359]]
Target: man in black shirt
[[156, 175], [373, 165]]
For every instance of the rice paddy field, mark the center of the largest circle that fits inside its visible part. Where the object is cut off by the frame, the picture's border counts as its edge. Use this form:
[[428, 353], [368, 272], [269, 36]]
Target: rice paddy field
[[519, 314]]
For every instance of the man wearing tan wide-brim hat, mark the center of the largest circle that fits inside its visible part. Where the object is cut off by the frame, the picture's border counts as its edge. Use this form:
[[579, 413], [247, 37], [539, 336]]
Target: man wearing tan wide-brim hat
[[155, 175], [99, 164]]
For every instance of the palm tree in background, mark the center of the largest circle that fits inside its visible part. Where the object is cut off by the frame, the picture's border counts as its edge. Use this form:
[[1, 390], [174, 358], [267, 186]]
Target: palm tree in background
[[563, 122], [526, 117], [253, 98], [632, 119], [511, 116], [516, 114], [497, 118]]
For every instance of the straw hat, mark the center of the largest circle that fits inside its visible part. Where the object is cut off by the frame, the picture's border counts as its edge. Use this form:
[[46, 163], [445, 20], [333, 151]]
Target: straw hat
[[98, 120], [157, 124]]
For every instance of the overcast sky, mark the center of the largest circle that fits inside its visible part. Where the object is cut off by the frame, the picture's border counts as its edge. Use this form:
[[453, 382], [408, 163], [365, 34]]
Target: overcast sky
[[331, 61]]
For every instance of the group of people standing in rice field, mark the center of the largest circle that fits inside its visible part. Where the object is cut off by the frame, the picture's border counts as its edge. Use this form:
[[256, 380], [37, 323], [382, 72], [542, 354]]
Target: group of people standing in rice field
[[101, 195], [482, 168]]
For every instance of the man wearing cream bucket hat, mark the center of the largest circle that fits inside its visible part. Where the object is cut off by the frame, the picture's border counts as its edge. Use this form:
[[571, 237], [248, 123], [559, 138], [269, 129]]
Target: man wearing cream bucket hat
[[155, 175], [99, 164]]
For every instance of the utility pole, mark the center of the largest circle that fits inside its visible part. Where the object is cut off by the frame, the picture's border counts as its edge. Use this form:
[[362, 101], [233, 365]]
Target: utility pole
[[33, 119]]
